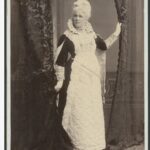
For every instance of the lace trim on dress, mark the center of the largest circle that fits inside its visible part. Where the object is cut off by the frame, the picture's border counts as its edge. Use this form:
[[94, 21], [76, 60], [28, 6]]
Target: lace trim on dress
[[86, 37], [87, 28]]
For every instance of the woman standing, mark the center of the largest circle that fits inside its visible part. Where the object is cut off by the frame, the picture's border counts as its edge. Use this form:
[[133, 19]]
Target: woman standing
[[78, 74]]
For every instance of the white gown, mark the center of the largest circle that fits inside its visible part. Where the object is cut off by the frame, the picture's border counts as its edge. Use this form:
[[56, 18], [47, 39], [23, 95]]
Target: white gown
[[83, 117]]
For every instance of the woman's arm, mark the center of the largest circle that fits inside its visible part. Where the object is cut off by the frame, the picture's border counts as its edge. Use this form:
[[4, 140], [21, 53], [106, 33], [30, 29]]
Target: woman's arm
[[65, 46], [106, 44], [60, 62], [113, 37]]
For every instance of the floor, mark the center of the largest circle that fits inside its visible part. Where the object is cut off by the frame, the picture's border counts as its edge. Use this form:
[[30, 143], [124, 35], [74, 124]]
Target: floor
[[137, 147], [140, 147]]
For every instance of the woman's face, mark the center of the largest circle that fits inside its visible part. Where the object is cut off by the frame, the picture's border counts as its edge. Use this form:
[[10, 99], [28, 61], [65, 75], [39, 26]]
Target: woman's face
[[79, 19]]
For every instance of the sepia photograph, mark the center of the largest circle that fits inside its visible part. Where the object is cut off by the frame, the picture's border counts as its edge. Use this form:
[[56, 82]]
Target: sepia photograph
[[76, 75]]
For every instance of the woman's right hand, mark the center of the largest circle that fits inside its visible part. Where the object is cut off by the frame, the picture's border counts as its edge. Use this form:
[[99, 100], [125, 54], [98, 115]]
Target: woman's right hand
[[58, 86]]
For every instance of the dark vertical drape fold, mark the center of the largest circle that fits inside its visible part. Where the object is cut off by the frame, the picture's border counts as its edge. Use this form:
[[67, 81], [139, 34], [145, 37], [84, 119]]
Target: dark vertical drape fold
[[32, 79], [124, 129]]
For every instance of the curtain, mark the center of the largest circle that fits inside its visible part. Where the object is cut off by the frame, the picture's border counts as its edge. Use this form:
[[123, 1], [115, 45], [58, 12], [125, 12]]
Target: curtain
[[124, 128], [33, 98], [35, 122]]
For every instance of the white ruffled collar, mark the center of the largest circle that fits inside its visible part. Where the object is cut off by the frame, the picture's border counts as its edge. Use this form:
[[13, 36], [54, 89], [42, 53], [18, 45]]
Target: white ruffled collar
[[87, 28]]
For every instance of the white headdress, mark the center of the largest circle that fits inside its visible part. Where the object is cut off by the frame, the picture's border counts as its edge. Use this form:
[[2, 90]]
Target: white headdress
[[83, 5]]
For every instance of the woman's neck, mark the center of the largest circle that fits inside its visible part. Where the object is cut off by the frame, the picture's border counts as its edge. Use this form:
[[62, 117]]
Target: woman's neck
[[87, 28], [81, 29]]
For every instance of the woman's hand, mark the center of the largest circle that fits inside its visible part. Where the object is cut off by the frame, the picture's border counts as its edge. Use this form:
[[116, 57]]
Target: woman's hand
[[58, 86], [118, 29], [114, 36]]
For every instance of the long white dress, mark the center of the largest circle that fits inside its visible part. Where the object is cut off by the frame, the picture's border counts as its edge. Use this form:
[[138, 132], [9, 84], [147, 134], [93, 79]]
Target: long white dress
[[83, 117]]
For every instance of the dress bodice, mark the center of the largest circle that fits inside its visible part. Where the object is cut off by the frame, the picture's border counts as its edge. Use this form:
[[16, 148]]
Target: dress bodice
[[84, 43], [80, 45], [85, 48]]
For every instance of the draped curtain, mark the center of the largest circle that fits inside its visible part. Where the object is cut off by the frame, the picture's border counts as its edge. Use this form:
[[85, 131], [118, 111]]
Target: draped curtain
[[124, 130], [32, 78]]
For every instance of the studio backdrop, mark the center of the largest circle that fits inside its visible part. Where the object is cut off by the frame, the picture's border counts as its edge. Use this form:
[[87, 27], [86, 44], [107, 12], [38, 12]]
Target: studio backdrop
[[35, 28]]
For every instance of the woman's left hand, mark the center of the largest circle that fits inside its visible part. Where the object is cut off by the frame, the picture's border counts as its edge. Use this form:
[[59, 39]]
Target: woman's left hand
[[58, 86], [118, 29]]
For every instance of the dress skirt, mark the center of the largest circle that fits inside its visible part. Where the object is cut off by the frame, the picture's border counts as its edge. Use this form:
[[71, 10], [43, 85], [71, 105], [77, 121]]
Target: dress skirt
[[83, 117]]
